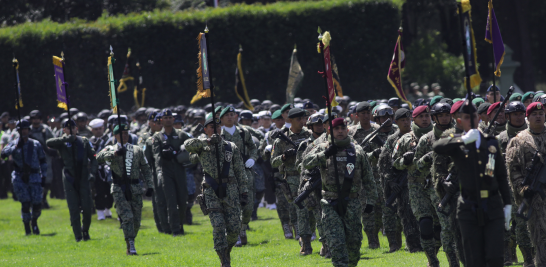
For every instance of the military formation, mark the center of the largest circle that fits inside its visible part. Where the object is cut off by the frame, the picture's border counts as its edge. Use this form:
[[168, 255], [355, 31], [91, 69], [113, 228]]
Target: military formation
[[462, 175]]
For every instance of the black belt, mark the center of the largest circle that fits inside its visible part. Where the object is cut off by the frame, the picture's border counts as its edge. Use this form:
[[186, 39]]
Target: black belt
[[467, 196], [32, 171], [121, 182]]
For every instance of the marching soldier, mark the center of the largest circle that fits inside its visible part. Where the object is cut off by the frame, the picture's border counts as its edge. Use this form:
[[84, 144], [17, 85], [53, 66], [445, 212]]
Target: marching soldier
[[425, 197], [103, 198], [41, 132], [283, 156], [28, 175], [482, 176], [499, 124], [128, 204], [341, 210], [243, 140], [520, 160], [76, 176], [222, 196], [81, 122], [166, 144]]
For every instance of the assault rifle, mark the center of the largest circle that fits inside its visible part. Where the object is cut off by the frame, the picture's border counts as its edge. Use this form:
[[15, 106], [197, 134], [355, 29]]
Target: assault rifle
[[315, 182], [448, 196], [536, 177], [401, 180], [501, 107]]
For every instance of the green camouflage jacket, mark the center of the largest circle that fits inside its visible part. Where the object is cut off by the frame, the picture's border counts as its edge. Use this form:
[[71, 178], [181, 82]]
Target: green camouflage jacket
[[134, 157], [280, 146], [246, 147]]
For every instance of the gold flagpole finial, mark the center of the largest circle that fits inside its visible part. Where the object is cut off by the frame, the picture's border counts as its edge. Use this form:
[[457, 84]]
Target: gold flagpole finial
[[320, 34], [206, 29], [240, 48], [62, 55], [111, 51]]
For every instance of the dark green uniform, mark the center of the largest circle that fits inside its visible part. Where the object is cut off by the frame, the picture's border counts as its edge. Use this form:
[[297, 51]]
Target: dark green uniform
[[76, 178]]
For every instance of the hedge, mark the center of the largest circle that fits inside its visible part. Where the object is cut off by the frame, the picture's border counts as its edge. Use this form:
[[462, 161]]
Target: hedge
[[363, 37]]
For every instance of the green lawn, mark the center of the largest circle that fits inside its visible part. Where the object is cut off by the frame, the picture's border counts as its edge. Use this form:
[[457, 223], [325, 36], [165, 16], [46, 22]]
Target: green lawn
[[267, 246]]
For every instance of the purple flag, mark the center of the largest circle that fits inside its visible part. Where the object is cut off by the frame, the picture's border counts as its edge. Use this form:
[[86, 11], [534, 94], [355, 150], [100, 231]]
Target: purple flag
[[493, 36], [62, 100]]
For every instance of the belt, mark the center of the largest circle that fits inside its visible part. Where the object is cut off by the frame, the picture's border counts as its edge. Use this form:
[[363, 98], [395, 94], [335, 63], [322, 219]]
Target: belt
[[483, 194], [294, 173], [333, 195], [31, 170], [121, 182]]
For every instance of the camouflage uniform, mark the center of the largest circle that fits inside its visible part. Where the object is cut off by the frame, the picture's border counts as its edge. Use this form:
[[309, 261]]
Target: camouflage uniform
[[343, 233], [425, 199], [287, 169], [519, 154], [243, 140], [28, 193], [519, 234], [159, 203], [224, 212], [130, 211]]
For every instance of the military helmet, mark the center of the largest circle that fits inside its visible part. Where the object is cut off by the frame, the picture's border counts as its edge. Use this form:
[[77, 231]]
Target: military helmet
[[394, 102], [35, 114], [514, 106], [80, 116], [440, 108], [382, 110], [315, 118], [23, 124]]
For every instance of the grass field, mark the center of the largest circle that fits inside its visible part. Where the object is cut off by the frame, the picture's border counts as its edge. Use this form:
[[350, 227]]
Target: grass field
[[267, 246]]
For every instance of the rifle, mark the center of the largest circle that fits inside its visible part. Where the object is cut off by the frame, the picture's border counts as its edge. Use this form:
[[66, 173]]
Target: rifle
[[373, 134], [281, 135], [510, 91], [402, 181], [315, 182], [446, 200], [536, 177]]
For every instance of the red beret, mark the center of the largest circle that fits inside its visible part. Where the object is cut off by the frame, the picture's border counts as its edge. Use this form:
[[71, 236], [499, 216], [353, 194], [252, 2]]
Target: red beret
[[493, 107], [337, 122], [532, 107], [456, 106], [420, 109]]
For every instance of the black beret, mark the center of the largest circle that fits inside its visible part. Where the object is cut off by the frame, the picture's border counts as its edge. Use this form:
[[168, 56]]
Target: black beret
[[468, 107], [483, 107], [364, 105], [402, 113], [296, 112]]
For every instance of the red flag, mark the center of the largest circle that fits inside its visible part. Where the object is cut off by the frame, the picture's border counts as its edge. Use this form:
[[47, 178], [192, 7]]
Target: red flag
[[328, 69], [395, 70]]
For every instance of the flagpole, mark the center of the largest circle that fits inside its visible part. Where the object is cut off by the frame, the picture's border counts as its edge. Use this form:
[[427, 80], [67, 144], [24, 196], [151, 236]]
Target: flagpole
[[76, 175], [16, 85], [212, 103]]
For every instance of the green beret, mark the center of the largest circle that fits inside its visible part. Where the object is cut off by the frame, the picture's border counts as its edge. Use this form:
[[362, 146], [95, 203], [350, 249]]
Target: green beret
[[226, 110], [435, 100], [296, 113], [218, 109], [286, 107], [457, 99], [123, 128], [477, 101], [373, 104], [515, 97], [210, 120], [528, 95], [276, 115]]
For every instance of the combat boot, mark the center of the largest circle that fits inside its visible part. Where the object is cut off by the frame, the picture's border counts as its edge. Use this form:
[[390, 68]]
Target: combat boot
[[35, 229], [86, 235], [189, 216], [393, 242], [244, 240], [287, 231], [373, 239], [452, 259], [306, 248], [296, 233], [238, 243], [127, 246], [431, 256], [27, 228], [528, 256], [507, 254], [324, 251], [131, 249], [223, 257]]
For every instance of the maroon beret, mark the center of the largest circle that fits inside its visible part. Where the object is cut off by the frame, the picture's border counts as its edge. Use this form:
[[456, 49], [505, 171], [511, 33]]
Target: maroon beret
[[420, 109], [493, 107], [532, 107], [337, 122], [456, 106]]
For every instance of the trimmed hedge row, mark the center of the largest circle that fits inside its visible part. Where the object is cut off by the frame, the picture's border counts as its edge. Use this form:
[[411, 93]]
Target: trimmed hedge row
[[363, 36]]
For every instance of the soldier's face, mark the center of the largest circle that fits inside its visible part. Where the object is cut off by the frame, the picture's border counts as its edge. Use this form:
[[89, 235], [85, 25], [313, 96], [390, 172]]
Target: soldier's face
[[536, 119], [125, 135], [285, 115], [35, 121], [318, 128], [484, 117], [66, 130], [167, 121], [492, 96], [528, 102], [340, 132], [404, 124], [156, 126], [297, 123], [364, 116], [279, 122], [516, 118], [98, 132], [177, 125], [265, 122], [465, 122], [24, 132], [443, 118], [423, 120], [229, 119], [501, 119], [209, 129], [246, 122], [81, 123]]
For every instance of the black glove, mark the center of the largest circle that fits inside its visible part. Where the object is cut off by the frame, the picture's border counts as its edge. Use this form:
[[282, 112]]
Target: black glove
[[244, 199], [43, 181], [121, 151], [528, 193], [428, 157], [449, 187], [214, 139], [368, 209], [395, 188], [289, 152], [408, 158], [330, 151], [149, 192], [376, 152]]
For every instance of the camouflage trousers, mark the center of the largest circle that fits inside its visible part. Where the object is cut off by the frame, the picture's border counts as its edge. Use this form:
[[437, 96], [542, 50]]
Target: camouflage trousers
[[293, 183], [224, 216], [282, 206], [307, 222], [518, 234], [248, 209], [424, 202], [381, 216], [130, 212], [343, 235], [28, 194], [406, 217]]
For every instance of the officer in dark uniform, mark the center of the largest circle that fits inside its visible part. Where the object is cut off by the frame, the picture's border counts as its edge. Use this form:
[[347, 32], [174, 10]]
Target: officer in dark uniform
[[81, 121], [482, 176], [41, 133]]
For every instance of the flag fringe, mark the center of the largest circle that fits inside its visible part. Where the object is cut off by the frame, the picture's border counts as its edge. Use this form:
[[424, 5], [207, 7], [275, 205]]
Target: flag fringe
[[62, 105], [498, 71], [200, 90], [244, 98]]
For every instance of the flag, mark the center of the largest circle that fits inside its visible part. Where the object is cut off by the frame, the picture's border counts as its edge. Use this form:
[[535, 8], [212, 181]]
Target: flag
[[335, 76], [240, 86], [111, 83], [397, 66], [325, 45], [126, 76], [62, 100], [470, 41], [137, 86], [18, 84], [493, 36], [295, 76], [203, 74]]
